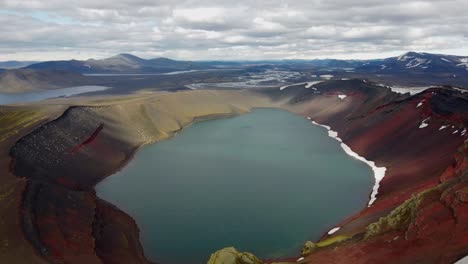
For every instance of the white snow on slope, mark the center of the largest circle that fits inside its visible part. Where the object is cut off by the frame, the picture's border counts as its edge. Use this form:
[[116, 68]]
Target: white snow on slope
[[442, 127], [460, 90], [334, 230], [463, 63], [404, 57], [326, 76], [307, 85], [379, 172], [444, 59], [420, 103], [462, 261], [288, 85], [423, 123], [416, 62], [411, 90], [310, 84], [342, 96]]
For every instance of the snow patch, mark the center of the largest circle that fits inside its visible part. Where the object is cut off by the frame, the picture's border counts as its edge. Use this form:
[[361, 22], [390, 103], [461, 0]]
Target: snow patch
[[289, 85], [407, 89], [342, 96], [334, 230], [442, 127], [456, 131], [463, 63], [460, 89], [423, 123], [310, 84], [300, 259], [416, 62], [404, 57], [444, 59], [379, 172], [462, 261], [307, 84], [420, 103], [326, 76]]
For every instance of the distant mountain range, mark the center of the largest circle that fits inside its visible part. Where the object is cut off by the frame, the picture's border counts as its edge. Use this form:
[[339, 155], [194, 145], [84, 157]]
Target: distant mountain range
[[127, 63], [417, 62], [15, 64], [122, 63], [411, 68]]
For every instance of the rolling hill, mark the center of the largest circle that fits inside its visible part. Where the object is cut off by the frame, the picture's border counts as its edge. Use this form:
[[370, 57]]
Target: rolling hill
[[122, 63]]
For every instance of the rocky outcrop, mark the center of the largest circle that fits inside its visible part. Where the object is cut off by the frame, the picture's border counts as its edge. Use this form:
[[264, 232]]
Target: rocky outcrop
[[308, 248], [230, 255]]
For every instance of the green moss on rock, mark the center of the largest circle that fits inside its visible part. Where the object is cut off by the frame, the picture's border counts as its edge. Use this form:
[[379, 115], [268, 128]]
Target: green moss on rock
[[308, 248], [400, 218], [230, 255]]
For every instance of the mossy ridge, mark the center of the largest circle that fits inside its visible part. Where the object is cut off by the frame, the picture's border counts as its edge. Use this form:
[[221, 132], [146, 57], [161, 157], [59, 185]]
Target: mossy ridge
[[332, 240], [402, 216]]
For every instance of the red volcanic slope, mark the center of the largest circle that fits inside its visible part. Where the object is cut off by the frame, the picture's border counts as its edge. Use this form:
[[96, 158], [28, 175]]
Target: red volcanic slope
[[417, 159]]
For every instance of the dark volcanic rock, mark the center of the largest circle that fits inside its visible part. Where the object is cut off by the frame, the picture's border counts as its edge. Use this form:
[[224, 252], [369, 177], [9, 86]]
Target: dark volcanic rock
[[61, 215], [51, 152]]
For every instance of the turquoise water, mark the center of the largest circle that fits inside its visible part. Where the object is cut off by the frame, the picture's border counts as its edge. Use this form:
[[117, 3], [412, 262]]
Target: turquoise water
[[264, 182]]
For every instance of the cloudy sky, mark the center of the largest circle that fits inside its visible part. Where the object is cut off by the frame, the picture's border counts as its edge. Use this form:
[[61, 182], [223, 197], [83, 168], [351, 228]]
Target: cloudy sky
[[232, 29]]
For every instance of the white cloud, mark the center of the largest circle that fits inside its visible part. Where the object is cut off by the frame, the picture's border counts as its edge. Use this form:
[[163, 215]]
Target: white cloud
[[209, 29]]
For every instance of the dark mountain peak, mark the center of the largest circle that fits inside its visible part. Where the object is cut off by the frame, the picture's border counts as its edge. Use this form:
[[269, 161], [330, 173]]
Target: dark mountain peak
[[410, 55], [162, 59], [127, 56]]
